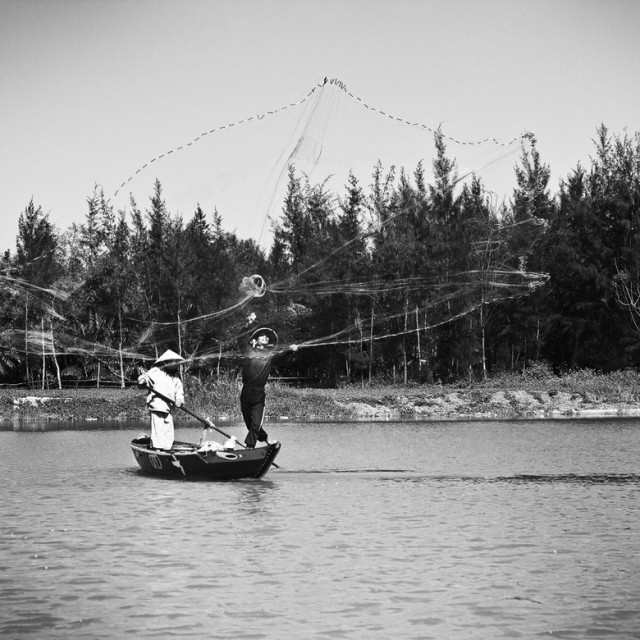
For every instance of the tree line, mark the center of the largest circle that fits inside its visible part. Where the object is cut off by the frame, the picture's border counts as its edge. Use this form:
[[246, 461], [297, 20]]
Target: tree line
[[406, 280]]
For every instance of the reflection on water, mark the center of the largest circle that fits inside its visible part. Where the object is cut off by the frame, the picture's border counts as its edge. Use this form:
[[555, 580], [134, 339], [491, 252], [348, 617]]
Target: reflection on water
[[570, 478], [446, 531], [593, 478]]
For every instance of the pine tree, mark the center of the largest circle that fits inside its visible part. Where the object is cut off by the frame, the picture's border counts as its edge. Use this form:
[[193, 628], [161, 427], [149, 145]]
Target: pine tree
[[37, 264]]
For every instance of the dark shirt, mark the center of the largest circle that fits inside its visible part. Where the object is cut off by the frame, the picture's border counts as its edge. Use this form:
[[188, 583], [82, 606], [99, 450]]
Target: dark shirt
[[256, 367]]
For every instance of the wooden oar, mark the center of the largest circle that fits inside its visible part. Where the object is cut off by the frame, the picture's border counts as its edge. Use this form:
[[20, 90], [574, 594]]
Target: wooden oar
[[205, 421]]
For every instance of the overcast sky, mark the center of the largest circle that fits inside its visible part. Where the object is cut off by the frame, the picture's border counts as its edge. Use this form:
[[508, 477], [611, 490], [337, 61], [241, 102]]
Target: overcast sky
[[91, 90]]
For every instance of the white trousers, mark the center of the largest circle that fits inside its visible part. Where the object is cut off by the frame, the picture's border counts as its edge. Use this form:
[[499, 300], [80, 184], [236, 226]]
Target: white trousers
[[162, 431]]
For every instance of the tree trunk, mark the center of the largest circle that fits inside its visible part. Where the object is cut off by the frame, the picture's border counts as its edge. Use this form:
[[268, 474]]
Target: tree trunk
[[483, 343], [26, 339], [53, 354], [44, 358], [404, 339], [120, 343], [418, 342], [180, 340], [371, 342], [361, 336]]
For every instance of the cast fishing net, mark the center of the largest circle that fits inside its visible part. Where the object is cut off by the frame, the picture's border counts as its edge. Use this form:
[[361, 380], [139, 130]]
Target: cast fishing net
[[241, 170], [253, 286]]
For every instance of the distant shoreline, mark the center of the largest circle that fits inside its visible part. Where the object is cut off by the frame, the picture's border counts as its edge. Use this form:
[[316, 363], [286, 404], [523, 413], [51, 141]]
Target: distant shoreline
[[559, 398]]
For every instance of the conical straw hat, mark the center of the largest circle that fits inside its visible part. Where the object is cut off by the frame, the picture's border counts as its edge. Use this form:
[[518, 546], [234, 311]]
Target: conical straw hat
[[169, 356]]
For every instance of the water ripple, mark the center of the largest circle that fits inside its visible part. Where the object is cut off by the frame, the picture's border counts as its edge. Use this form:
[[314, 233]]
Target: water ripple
[[457, 531]]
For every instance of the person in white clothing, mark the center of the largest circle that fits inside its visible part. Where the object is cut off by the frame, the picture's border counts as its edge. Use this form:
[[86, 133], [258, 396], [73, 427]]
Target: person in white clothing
[[164, 378]]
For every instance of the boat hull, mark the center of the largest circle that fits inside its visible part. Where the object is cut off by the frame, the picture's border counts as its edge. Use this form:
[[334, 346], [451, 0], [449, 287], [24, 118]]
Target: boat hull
[[185, 461]]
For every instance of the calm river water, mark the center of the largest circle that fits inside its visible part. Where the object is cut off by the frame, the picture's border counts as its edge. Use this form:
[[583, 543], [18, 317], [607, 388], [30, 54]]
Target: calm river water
[[445, 530]]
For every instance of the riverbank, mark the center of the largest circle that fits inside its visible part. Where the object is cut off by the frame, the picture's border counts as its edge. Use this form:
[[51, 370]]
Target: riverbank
[[538, 394]]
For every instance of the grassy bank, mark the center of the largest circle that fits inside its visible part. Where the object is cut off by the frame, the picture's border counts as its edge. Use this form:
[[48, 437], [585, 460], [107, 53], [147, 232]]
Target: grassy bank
[[537, 393]]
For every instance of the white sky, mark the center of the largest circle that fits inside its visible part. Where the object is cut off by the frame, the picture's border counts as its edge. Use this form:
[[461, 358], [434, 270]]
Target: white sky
[[91, 90]]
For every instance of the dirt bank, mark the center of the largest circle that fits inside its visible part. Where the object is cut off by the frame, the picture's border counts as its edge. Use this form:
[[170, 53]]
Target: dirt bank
[[353, 403], [489, 404]]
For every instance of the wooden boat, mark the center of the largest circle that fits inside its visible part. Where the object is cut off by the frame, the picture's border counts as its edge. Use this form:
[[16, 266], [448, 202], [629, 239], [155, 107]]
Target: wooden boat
[[185, 460]]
